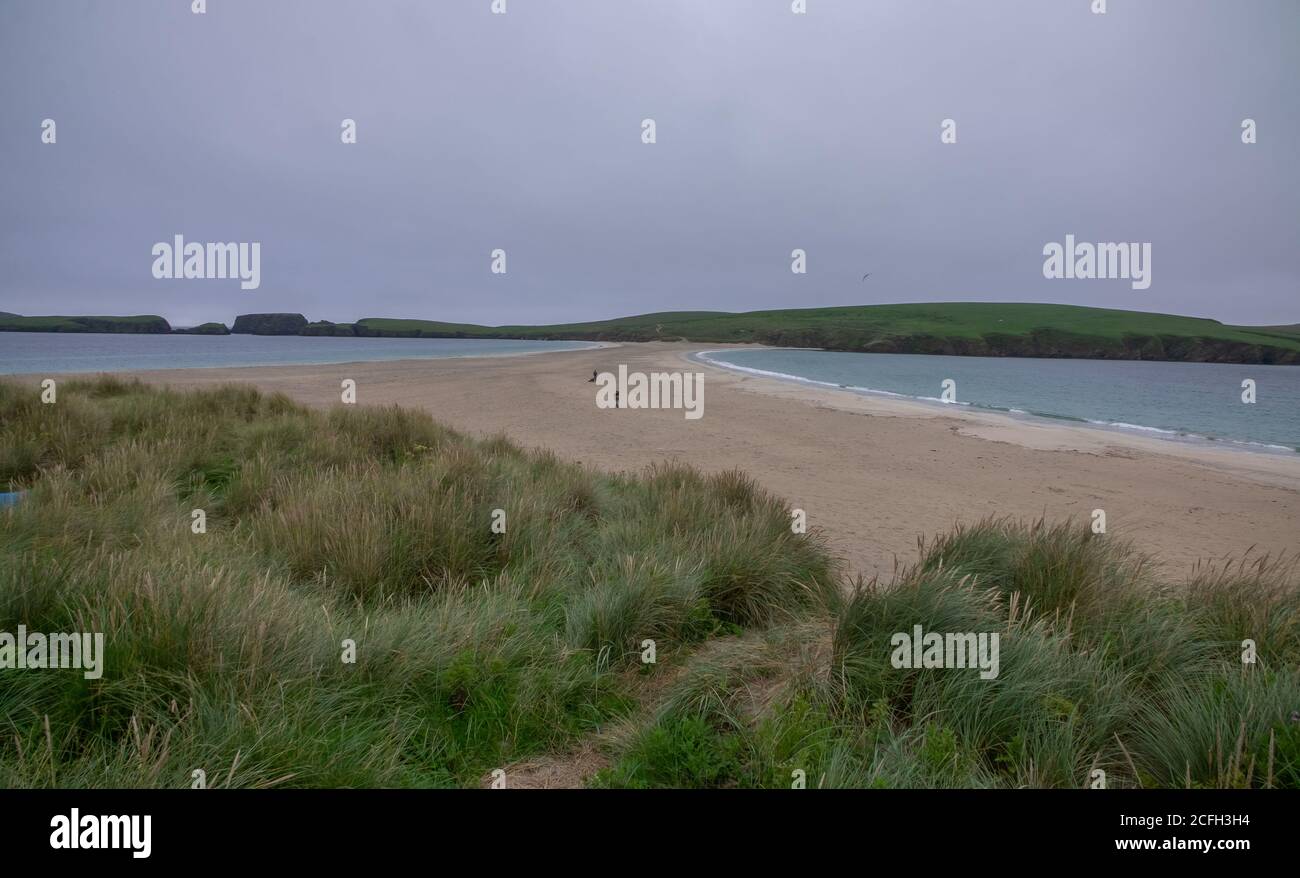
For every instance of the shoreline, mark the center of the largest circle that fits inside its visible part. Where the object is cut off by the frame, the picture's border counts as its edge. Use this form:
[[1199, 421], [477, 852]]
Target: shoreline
[[890, 403], [924, 406], [1278, 468], [873, 474]]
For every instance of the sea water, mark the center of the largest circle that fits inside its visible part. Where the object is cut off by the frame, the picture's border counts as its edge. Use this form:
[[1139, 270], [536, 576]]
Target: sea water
[[1199, 402], [43, 353]]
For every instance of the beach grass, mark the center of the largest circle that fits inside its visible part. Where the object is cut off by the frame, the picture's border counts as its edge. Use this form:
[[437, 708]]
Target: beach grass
[[225, 649], [477, 647], [1103, 668]]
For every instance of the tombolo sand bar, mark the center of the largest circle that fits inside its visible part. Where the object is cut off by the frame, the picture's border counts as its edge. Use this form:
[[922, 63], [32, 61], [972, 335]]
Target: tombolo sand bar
[[873, 474]]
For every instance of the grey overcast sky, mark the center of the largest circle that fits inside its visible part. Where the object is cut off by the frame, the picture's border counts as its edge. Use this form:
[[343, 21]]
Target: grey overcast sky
[[522, 131]]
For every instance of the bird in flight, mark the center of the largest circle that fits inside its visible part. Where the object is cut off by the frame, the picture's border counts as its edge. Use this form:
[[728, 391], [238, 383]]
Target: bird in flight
[[867, 275]]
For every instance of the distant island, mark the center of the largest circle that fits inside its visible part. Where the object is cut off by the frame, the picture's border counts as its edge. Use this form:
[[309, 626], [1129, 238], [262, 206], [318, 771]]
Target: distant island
[[269, 324], [147, 323], [203, 329], [988, 329]]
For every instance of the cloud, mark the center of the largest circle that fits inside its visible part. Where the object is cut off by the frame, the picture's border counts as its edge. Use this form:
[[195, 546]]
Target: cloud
[[522, 131]]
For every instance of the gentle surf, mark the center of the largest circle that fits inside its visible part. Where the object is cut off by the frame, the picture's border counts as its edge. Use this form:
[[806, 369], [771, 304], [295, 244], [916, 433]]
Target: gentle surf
[[1195, 402]]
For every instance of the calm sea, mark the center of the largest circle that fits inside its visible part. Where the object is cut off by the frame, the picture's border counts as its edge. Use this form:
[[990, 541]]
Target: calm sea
[[1196, 402], [51, 352]]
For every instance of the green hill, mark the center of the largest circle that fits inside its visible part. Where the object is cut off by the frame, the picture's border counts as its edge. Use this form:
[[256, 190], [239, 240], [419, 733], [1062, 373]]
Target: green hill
[[150, 323], [956, 328], [989, 329], [644, 327], [1292, 331]]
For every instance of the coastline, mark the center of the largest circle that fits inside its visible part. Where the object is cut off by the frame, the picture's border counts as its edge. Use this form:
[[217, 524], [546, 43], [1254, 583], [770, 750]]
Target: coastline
[[873, 474], [1280, 468], [924, 407]]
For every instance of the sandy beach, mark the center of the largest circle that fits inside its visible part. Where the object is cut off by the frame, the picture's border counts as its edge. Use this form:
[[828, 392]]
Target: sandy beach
[[873, 474]]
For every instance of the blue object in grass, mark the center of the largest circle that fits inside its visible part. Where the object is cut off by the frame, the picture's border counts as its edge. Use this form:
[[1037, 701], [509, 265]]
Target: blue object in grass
[[11, 498]]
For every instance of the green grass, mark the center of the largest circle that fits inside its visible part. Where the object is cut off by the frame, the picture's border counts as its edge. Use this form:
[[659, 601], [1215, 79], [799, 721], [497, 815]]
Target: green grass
[[224, 649], [477, 649], [1291, 331], [1103, 667]]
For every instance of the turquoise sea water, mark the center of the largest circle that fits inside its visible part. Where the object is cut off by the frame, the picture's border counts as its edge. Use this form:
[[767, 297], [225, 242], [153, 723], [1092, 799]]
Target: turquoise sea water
[[1196, 402], [54, 352]]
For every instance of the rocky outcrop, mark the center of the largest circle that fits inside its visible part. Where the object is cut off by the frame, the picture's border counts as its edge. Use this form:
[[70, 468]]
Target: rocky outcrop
[[269, 324]]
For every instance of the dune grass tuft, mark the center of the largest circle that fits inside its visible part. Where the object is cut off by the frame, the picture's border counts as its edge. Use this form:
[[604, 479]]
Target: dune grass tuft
[[224, 649], [1103, 668]]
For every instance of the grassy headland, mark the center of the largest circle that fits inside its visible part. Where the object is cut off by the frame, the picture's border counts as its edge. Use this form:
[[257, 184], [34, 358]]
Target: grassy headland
[[224, 649], [954, 328], [149, 323], [475, 649]]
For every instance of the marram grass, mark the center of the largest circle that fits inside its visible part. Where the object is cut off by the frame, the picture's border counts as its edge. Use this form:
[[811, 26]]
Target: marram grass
[[1107, 674], [224, 649]]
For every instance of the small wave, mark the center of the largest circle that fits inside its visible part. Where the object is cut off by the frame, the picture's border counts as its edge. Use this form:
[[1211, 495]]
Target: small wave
[[1056, 416], [1145, 429], [786, 376], [1182, 435], [704, 355], [1190, 436]]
